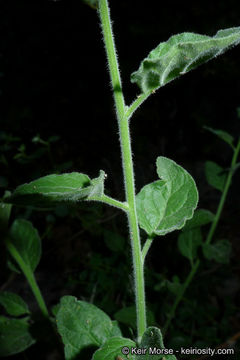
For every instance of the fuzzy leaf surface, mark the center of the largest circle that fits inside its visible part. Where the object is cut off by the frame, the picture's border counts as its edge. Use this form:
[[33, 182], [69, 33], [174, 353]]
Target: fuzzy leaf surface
[[165, 205], [220, 251], [180, 54], [27, 242], [111, 350], [215, 175], [50, 190], [82, 326], [13, 304], [15, 336]]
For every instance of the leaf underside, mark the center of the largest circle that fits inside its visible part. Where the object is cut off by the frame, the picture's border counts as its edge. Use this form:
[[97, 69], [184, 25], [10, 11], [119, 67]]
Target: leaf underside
[[180, 54], [165, 205]]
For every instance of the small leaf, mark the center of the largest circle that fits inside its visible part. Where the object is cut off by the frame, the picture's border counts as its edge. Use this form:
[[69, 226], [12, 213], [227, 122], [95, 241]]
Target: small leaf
[[13, 304], [112, 350], [51, 189], [229, 139], [180, 54], [215, 175], [27, 242], [188, 242], [165, 205], [152, 341], [127, 316], [200, 218], [82, 326], [220, 251], [15, 336]]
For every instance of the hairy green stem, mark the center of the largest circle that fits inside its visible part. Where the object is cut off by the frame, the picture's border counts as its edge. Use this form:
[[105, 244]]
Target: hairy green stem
[[29, 276], [208, 239], [136, 103], [127, 164], [146, 247], [110, 201]]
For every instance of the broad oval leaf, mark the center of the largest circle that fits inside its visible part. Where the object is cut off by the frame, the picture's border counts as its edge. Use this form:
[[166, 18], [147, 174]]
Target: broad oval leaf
[[215, 175], [165, 205], [82, 326], [27, 242], [15, 336], [180, 54], [112, 350], [13, 304], [49, 190]]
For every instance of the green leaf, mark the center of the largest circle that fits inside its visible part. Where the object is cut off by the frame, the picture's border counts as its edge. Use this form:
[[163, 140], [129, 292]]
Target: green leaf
[[116, 331], [220, 251], [165, 205], [127, 316], [15, 336], [180, 54], [200, 218], [188, 242], [13, 304], [27, 242], [152, 341], [215, 175], [229, 139], [112, 350], [82, 326], [51, 189]]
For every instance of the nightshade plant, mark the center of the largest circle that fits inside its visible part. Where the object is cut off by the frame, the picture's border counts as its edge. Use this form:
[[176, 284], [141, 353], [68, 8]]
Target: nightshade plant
[[160, 207]]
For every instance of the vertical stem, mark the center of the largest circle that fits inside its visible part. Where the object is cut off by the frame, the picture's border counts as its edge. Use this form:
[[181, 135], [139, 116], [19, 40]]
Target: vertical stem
[[224, 194], [29, 276], [209, 237], [127, 164]]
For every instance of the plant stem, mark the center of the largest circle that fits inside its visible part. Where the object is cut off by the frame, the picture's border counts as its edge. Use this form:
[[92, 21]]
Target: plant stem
[[180, 295], [136, 103], [127, 164], [224, 194], [209, 236], [146, 247], [110, 201], [29, 276]]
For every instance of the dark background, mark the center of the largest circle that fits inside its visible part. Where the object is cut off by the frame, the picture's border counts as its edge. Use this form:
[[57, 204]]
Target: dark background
[[54, 81]]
